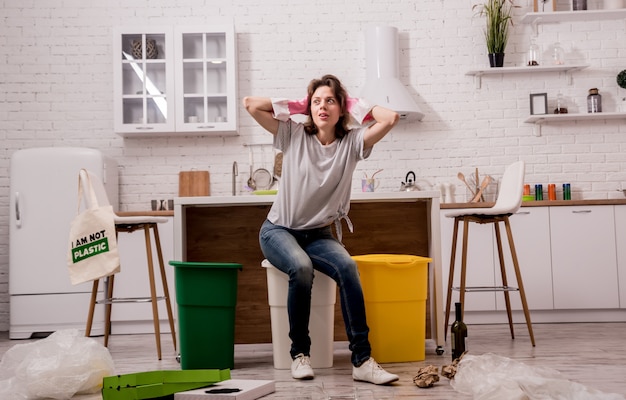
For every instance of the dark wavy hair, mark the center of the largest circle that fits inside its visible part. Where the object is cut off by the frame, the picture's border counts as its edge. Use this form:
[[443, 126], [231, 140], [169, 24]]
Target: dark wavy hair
[[341, 129]]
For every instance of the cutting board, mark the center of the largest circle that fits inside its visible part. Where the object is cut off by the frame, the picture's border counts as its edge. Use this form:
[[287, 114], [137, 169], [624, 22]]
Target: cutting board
[[194, 183]]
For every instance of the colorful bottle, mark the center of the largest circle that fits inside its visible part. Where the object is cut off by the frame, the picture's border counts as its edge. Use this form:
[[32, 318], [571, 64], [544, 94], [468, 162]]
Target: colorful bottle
[[567, 191]]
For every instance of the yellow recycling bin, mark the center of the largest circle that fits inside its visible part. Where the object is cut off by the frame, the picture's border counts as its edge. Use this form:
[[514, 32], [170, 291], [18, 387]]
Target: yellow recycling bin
[[395, 288]]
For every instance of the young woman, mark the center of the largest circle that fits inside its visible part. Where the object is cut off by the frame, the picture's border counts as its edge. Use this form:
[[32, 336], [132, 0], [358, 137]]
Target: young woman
[[319, 158]]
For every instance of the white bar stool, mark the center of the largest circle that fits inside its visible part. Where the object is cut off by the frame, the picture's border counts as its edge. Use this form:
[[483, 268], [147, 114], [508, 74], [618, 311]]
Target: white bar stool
[[508, 203], [143, 224]]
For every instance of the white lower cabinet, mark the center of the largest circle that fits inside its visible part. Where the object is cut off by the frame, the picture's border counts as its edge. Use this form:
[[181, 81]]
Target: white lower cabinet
[[620, 241], [132, 281], [480, 262], [531, 235], [571, 259], [584, 265], [530, 227]]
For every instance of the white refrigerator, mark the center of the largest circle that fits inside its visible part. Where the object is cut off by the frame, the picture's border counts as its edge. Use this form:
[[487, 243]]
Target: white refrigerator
[[43, 201]]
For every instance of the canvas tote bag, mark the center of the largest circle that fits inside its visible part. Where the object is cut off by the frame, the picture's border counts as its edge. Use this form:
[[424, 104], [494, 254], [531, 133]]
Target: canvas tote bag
[[92, 243]]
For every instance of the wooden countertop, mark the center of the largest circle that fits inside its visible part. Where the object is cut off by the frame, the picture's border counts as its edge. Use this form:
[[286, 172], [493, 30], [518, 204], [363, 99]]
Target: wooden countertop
[[166, 213], [540, 203], [443, 206]]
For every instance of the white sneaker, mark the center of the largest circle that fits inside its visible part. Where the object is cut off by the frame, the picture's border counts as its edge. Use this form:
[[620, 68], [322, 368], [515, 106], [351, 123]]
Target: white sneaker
[[371, 372], [301, 367]]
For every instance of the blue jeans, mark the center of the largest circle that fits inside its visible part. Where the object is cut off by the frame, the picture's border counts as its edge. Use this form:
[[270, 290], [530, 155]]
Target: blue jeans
[[298, 253]]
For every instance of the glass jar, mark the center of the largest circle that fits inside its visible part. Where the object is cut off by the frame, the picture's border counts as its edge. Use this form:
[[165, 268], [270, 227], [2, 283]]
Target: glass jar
[[594, 101], [533, 53], [560, 105], [579, 5], [558, 55]]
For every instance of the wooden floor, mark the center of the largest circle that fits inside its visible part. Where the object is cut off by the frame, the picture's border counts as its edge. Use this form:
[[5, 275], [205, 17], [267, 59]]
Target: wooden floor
[[593, 354]]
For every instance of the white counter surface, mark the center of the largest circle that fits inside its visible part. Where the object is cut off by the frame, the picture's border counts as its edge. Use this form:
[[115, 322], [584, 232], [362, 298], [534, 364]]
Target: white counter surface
[[269, 199]]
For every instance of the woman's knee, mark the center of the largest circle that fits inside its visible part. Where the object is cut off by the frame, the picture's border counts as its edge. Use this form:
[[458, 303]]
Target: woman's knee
[[301, 271]]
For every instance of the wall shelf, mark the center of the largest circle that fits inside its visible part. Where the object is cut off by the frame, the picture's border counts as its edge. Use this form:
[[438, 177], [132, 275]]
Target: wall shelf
[[567, 68], [539, 120], [568, 16]]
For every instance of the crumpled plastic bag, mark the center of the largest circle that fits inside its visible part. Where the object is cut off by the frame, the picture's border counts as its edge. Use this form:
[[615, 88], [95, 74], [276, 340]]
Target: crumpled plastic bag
[[492, 377], [57, 367]]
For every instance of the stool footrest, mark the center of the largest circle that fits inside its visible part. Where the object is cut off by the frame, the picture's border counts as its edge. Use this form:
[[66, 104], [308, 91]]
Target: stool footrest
[[487, 289], [129, 300]]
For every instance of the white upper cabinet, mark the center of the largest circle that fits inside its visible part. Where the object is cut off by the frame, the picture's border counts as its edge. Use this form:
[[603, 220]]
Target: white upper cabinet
[[143, 76], [175, 81], [206, 79]]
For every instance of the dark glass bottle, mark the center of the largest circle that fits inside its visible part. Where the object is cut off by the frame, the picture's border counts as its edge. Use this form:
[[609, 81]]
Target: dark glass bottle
[[458, 334], [594, 101]]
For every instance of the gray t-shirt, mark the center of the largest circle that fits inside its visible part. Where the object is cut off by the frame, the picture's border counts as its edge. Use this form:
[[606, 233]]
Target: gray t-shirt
[[316, 180]]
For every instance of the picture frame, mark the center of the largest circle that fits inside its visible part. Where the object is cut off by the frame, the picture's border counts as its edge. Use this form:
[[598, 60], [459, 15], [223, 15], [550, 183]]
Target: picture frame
[[538, 103], [544, 5]]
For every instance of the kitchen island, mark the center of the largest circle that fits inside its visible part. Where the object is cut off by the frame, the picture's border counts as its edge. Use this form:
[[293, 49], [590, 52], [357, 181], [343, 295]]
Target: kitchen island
[[225, 229]]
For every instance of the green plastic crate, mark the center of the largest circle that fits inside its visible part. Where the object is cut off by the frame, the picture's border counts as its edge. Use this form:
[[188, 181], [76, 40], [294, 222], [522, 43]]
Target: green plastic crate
[[158, 384]]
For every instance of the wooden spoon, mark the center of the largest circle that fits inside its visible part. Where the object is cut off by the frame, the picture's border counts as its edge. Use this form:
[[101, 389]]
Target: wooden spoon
[[462, 178], [486, 181]]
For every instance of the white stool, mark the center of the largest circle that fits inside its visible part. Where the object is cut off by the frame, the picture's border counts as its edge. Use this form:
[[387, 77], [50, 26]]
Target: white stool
[[321, 323]]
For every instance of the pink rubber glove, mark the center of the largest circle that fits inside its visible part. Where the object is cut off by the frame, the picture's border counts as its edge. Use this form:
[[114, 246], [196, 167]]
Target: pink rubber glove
[[359, 109], [298, 106], [284, 108]]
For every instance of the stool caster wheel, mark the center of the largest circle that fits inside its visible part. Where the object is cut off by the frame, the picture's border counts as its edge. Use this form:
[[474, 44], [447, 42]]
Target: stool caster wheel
[[439, 350], [178, 358]]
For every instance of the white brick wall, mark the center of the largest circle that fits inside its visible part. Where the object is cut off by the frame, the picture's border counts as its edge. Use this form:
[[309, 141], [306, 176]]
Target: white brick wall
[[56, 77]]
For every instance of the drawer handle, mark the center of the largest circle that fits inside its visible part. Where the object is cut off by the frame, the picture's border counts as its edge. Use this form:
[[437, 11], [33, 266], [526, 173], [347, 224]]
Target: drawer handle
[[522, 213], [581, 211]]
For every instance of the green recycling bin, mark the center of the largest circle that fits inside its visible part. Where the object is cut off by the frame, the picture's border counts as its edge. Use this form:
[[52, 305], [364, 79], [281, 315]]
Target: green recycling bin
[[206, 294]]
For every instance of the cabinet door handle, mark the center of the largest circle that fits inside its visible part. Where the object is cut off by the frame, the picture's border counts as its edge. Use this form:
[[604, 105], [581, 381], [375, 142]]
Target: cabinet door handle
[[145, 128], [581, 211]]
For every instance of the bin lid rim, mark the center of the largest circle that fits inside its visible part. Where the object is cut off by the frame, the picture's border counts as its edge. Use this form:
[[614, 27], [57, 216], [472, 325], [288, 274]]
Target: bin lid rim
[[201, 264], [391, 257]]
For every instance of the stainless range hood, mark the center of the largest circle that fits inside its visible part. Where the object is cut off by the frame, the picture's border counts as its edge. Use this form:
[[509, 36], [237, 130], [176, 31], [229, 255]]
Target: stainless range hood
[[383, 86]]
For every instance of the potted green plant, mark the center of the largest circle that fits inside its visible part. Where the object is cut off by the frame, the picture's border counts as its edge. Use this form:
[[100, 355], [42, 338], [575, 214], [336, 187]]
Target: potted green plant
[[621, 82], [498, 19]]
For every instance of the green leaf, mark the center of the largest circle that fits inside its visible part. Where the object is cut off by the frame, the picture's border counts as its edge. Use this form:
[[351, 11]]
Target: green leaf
[[498, 18]]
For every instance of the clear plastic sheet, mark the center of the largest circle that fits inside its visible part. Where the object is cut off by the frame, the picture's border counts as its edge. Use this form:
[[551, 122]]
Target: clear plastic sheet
[[492, 377], [57, 367]]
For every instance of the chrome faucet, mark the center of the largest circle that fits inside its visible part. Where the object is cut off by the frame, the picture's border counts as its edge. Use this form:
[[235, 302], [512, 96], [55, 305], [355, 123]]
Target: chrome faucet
[[235, 173]]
